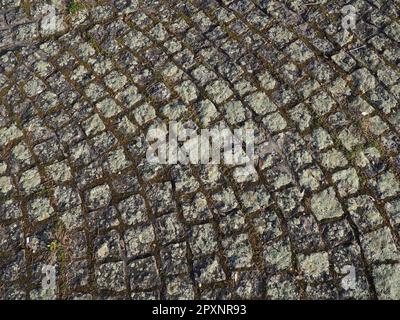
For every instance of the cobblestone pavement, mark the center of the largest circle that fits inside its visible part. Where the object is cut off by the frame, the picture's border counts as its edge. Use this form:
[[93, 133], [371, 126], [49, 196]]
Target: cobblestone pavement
[[320, 217]]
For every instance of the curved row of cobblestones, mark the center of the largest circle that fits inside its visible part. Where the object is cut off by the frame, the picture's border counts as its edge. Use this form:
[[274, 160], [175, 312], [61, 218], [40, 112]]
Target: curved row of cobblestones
[[318, 219]]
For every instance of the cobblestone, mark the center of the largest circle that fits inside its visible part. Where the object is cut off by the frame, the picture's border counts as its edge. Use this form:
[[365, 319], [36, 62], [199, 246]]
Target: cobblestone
[[77, 192]]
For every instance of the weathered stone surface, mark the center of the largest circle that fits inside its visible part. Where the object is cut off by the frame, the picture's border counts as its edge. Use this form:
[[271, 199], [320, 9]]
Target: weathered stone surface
[[111, 275], [325, 205], [77, 191], [379, 246], [314, 267], [387, 282]]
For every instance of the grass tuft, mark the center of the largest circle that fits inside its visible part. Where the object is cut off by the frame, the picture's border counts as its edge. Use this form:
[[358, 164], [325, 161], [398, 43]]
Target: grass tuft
[[75, 6]]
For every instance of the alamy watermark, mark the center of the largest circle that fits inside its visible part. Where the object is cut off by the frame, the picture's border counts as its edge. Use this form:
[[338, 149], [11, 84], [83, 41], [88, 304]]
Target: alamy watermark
[[49, 20], [349, 19], [49, 279], [182, 143], [349, 281]]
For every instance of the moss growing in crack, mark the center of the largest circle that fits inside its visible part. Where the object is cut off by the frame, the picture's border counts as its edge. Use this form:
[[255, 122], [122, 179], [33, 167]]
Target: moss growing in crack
[[92, 41], [26, 6], [75, 6], [45, 192], [54, 246], [60, 253]]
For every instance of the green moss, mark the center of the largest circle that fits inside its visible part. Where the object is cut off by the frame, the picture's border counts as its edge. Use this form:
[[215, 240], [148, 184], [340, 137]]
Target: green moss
[[75, 6], [92, 41], [45, 192], [26, 6], [54, 246]]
